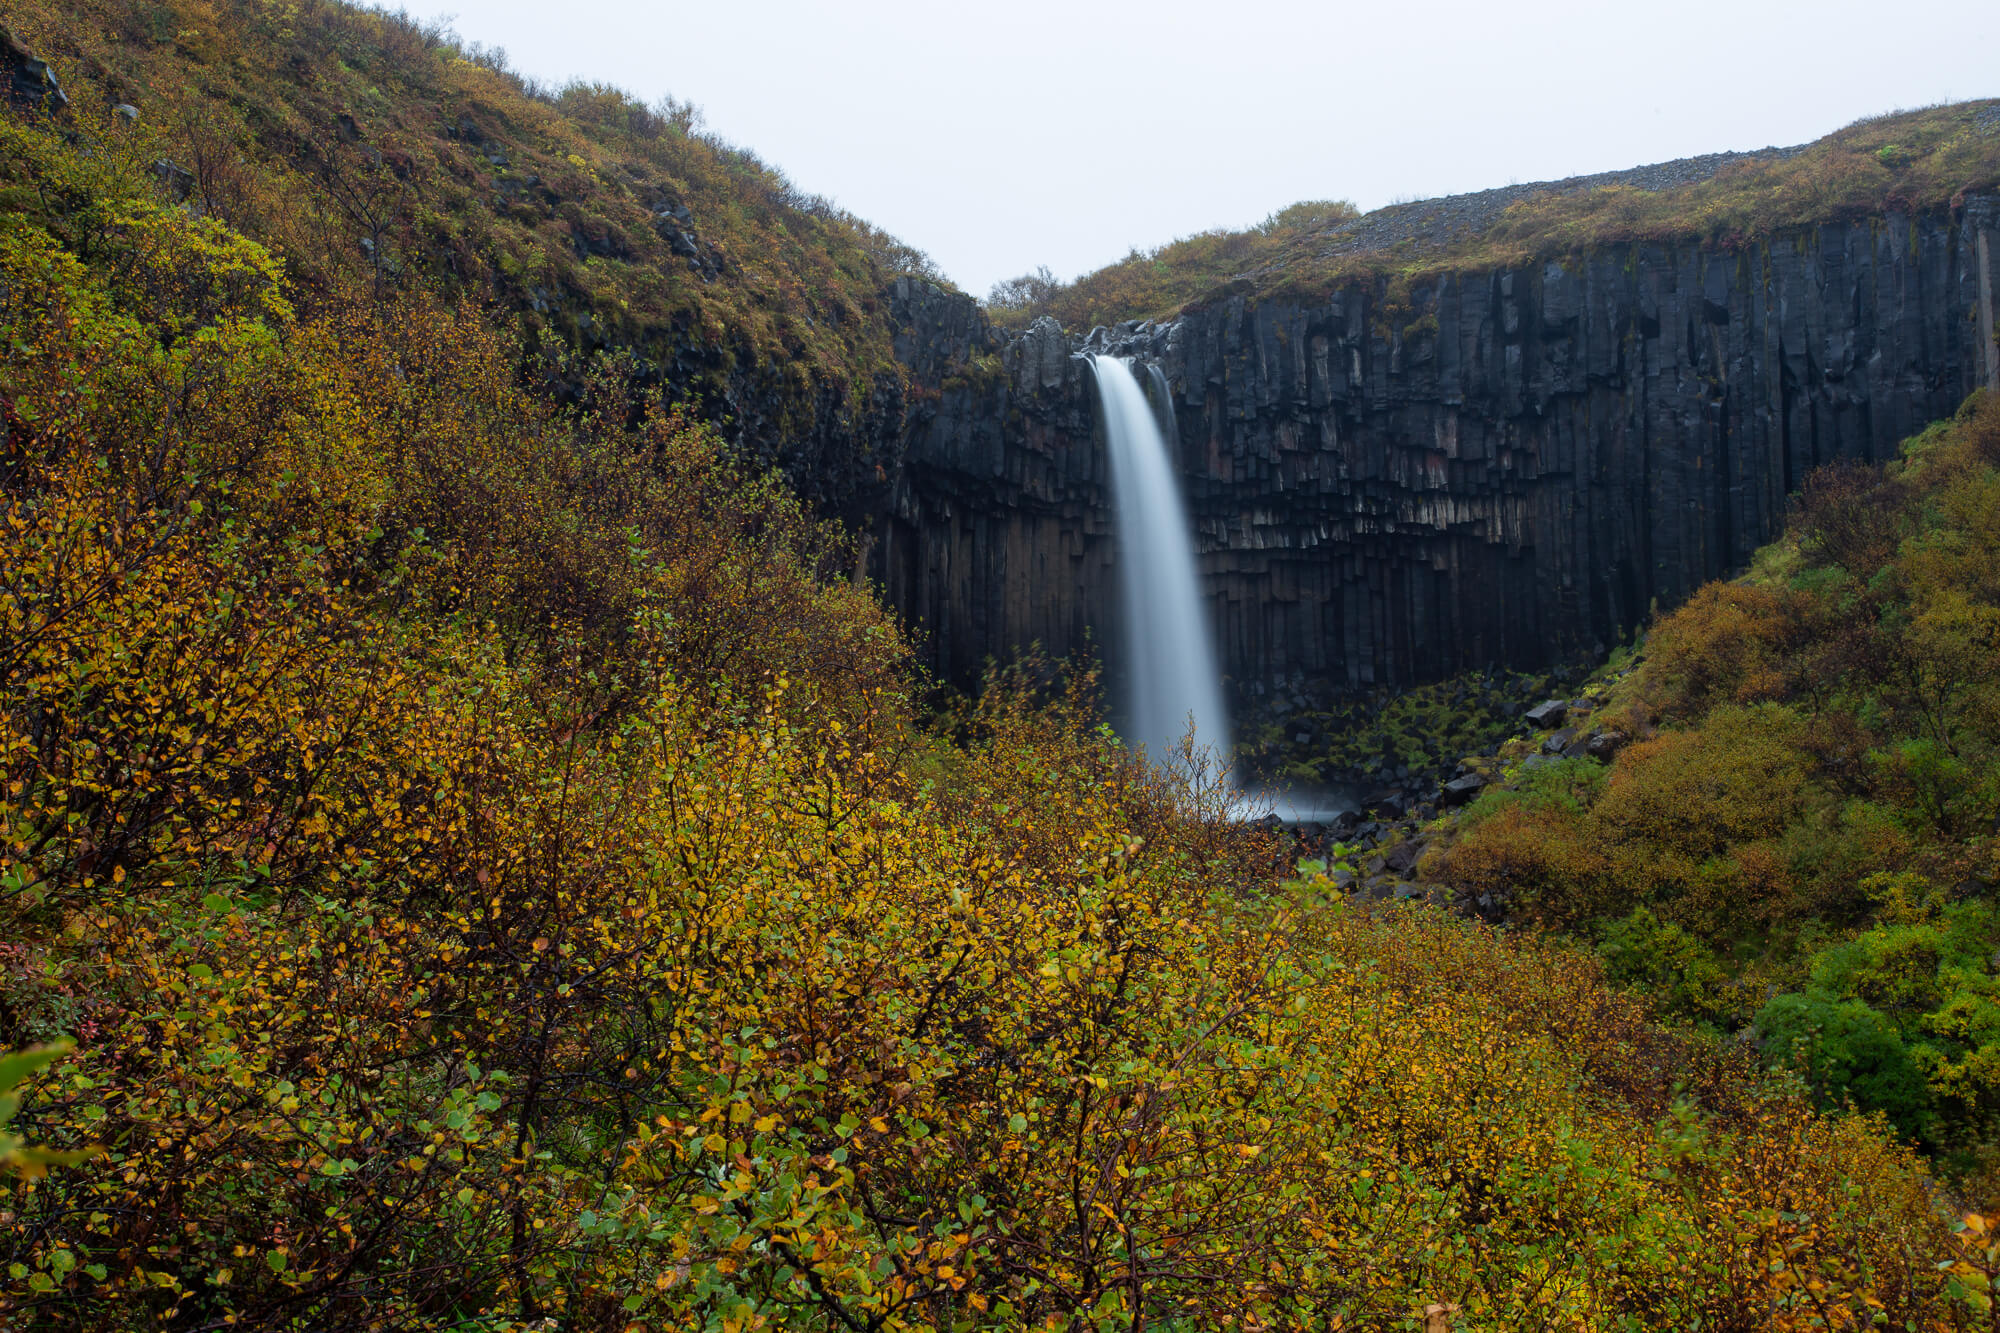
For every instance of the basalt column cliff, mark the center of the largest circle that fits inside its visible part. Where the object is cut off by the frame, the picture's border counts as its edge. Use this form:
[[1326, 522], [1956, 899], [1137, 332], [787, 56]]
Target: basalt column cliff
[[1493, 468]]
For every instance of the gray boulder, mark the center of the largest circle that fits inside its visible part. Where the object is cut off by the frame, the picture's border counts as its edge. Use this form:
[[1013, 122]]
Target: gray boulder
[[1461, 790], [1548, 714]]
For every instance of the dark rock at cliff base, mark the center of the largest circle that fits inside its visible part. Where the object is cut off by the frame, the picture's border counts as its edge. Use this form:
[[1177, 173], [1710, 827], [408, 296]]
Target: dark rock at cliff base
[[1402, 858], [29, 83], [1550, 714], [1388, 802], [1604, 744], [1459, 791]]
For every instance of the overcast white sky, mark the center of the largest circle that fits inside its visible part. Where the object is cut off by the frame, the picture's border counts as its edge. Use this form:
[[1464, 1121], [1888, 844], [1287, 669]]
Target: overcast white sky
[[999, 136]]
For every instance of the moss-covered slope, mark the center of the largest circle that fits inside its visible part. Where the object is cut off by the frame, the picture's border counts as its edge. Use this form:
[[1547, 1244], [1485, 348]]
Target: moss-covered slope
[[1906, 161], [375, 153]]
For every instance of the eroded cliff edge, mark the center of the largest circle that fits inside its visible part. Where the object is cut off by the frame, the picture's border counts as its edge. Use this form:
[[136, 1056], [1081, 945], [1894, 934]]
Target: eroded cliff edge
[[1499, 468]]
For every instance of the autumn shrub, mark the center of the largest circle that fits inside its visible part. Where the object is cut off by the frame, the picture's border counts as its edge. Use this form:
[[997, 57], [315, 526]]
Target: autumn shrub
[[1850, 1054], [1669, 963], [1725, 645], [1567, 787], [1537, 861], [1847, 515]]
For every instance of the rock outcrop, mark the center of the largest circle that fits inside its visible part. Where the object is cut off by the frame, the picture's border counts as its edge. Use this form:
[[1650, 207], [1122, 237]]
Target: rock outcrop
[[26, 81], [1501, 468]]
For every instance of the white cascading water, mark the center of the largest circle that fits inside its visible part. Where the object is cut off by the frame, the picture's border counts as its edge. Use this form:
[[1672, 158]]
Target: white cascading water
[[1171, 655]]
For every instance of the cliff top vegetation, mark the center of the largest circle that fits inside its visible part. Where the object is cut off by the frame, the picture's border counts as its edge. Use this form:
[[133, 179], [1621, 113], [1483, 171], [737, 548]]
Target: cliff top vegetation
[[1908, 161]]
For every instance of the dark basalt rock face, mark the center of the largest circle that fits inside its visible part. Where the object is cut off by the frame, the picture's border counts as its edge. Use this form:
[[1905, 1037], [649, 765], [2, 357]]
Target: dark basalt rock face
[[1499, 469], [27, 84]]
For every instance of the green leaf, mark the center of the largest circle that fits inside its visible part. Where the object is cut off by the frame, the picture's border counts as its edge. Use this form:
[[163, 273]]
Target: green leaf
[[275, 1261], [17, 1065], [217, 905]]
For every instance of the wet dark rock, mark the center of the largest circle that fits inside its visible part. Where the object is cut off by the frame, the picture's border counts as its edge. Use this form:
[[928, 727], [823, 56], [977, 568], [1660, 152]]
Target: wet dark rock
[[1402, 859], [1391, 803], [1549, 714], [29, 83], [1461, 789], [1604, 744], [1558, 742]]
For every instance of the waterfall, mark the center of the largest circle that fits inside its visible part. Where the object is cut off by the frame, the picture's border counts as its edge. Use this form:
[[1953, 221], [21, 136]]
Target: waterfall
[[1170, 652]]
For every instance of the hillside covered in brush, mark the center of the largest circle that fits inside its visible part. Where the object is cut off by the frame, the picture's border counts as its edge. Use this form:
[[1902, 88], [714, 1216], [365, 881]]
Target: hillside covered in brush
[[374, 152], [1799, 842], [472, 858]]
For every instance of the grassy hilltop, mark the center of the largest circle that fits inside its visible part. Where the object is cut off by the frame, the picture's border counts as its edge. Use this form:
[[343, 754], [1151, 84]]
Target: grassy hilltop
[[470, 860], [1909, 161]]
